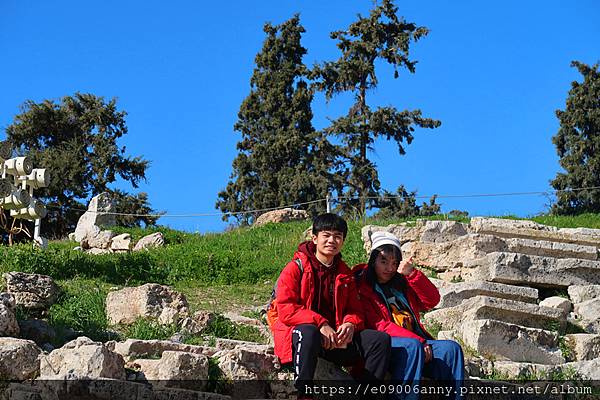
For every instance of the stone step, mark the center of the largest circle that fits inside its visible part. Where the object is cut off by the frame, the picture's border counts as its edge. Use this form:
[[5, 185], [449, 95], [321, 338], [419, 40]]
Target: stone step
[[132, 349], [509, 311], [511, 342], [547, 248], [520, 269], [532, 230], [452, 294]]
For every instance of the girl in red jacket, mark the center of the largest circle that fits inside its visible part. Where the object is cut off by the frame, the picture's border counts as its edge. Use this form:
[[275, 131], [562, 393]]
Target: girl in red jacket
[[393, 294]]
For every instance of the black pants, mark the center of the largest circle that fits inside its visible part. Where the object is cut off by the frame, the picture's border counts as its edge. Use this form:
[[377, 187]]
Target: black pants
[[371, 346]]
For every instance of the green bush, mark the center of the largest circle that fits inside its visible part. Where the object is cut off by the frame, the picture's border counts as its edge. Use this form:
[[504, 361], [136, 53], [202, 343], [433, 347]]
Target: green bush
[[80, 307]]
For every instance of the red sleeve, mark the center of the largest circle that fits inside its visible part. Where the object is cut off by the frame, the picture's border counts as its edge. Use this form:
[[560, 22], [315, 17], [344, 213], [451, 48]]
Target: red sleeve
[[354, 310], [428, 295], [290, 309]]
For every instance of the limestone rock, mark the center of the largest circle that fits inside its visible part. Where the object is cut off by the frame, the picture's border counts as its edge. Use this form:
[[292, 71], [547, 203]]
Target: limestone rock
[[550, 249], [82, 358], [176, 369], [278, 216], [243, 363], [153, 240], [8, 321], [96, 252], [549, 272], [132, 349], [581, 293], [121, 243], [531, 230], [37, 330], [509, 311], [557, 302], [230, 344], [198, 323], [588, 315], [512, 342], [147, 301], [585, 346], [32, 291], [95, 216], [449, 254], [18, 359], [454, 293], [441, 231], [100, 240]]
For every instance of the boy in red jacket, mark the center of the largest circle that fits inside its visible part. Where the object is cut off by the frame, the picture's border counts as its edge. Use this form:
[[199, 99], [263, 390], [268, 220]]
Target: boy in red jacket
[[319, 311]]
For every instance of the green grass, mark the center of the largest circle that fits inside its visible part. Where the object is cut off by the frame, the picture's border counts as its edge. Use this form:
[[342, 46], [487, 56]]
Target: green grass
[[148, 329], [234, 270]]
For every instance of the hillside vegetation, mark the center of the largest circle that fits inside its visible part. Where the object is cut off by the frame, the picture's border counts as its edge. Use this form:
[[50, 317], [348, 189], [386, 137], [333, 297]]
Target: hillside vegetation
[[234, 270]]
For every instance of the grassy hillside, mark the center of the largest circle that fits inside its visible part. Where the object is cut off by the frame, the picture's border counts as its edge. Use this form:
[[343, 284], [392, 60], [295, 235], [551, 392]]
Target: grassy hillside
[[233, 270]]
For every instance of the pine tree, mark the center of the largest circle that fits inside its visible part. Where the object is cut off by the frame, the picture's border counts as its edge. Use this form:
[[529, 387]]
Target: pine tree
[[282, 160], [383, 35], [578, 145], [76, 140]]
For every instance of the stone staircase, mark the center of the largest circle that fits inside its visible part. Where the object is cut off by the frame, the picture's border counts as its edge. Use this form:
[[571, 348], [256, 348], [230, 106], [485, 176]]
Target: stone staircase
[[499, 284]]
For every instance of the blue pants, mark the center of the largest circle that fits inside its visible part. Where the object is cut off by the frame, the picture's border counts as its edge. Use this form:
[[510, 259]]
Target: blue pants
[[407, 364]]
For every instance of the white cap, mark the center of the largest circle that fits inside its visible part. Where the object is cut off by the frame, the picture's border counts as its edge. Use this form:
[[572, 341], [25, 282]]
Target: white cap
[[381, 238]]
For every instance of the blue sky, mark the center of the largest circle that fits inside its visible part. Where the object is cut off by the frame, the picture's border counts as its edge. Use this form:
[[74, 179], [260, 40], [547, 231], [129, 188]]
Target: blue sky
[[493, 72]]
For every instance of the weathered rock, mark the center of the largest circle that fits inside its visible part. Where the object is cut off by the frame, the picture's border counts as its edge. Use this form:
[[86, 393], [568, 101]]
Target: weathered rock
[[243, 363], [18, 359], [284, 215], [176, 369], [549, 272], [100, 240], [198, 323], [509, 311], [440, 231], [153, 240], [557, 302], [449, 254], [520, 370], [454, 293], [37, 330], [511, 342], [230, 344], [587, 369], [588, 315], [95, 216], [132, 349], [585, 346], [147, 301], [581, 293], [550, 249], [531, 230], [96, 252], [82, 358], [478, 367], [170, 393], [121, 243], [8, 321], [31, 291]]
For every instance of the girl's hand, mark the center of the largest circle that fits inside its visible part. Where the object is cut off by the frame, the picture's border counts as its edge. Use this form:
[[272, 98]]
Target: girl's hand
[[406, 266]]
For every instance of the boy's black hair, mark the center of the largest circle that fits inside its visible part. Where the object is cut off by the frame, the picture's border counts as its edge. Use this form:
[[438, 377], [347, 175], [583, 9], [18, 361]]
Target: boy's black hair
[[329, 222], [388, 249]]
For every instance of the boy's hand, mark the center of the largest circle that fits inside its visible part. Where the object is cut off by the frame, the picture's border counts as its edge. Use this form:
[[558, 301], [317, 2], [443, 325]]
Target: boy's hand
[[329, 338], [345, 332], [406, 266]]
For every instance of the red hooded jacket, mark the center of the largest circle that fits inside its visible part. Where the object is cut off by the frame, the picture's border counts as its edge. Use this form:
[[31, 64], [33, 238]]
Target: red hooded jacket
[[422, 295], [295, 296]]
